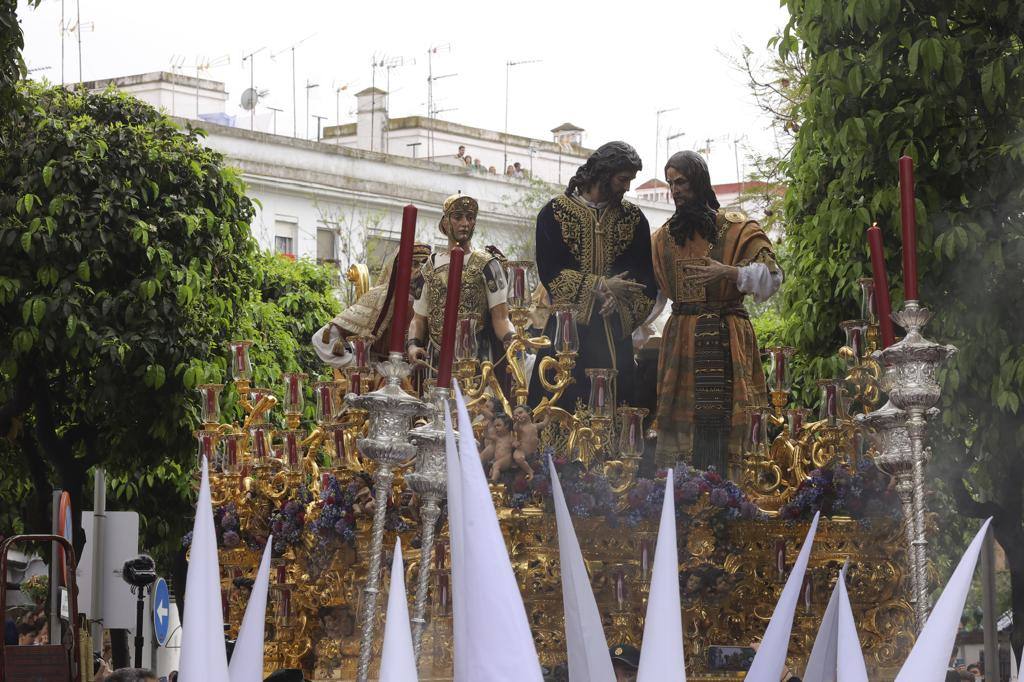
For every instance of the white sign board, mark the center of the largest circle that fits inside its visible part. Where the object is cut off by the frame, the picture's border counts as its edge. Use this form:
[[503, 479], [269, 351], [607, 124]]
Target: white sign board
[[120, 543]]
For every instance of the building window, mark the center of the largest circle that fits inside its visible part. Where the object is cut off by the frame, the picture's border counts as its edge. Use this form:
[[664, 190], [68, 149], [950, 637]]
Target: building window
[[325, 245], [286, 234]]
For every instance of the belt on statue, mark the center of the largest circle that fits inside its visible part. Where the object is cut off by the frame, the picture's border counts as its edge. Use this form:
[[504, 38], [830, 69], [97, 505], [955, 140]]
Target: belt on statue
[[735, 309]]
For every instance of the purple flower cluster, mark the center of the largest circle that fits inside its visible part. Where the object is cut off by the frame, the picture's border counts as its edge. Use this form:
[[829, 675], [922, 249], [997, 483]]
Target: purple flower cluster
[[645, 499], [837, 490], [337, 519], [288, 522], [226, 527]]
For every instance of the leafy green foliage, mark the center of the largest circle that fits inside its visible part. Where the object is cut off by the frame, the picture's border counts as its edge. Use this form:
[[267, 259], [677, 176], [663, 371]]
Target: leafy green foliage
[[943, 82], [126, 263]]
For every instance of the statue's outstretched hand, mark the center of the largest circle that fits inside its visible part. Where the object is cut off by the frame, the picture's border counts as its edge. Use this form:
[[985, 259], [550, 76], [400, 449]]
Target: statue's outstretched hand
[[616, 287]]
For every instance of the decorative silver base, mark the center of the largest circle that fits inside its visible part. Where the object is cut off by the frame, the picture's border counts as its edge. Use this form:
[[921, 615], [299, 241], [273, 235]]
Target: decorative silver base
[[391, 411], [430, 482], [909, 379]]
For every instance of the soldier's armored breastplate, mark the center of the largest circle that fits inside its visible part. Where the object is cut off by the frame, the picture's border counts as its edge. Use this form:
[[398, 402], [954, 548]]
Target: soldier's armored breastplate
[[472, 298]]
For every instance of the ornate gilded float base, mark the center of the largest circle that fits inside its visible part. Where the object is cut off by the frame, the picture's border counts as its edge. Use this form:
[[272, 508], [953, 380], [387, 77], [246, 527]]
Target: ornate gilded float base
[[731, 575]]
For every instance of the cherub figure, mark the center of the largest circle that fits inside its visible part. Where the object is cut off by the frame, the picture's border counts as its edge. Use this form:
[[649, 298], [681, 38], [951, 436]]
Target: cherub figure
[[527, 434], [488, 410], [502, 449]]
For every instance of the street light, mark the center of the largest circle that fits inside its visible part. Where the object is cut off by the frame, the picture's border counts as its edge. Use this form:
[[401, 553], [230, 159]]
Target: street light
[[657, 131], [508, 66], [309, 86]]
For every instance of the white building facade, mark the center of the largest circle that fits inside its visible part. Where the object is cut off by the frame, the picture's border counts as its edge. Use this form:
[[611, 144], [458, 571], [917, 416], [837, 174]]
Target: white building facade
[[337, 200]]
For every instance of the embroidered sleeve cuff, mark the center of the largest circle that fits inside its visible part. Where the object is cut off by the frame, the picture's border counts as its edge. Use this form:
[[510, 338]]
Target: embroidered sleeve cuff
[[573, 288], [633, 311]]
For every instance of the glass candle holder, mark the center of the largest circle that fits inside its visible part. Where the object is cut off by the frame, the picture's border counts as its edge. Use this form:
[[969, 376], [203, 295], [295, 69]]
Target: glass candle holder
[[207, 447], [256, 395], [757, 429], [241, 367], [779, 376], [855, 331], [521, 282], [868, 311], [355, 379], [209, 403], [466, 346], [795, 418], [361, 350], [601, 402], [291, 451], [259, 443], [566, 335], [631, 433], [232, 453], [293, 398], [324, 392], [833, 401]]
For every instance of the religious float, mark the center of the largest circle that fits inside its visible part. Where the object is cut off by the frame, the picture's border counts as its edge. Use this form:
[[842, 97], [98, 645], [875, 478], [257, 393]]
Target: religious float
[[336, 468]]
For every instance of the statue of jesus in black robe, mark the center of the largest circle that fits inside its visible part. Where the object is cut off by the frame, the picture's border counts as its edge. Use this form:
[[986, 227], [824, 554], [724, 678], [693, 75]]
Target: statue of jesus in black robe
[[594, 255]]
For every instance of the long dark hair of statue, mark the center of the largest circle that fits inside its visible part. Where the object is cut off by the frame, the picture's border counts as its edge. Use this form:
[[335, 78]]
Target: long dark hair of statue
[[609, 159], [700, 214]]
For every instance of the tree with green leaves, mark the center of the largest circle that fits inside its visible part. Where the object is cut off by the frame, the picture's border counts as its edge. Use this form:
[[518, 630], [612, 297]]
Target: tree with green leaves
[[126, 263], [942, 81]]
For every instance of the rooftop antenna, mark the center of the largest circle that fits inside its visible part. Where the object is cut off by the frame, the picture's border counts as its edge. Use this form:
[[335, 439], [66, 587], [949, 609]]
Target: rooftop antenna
[[250, 96], [657, 131], [337, 99], [309, 86], [319, 120], [204, 64], [295, 106], [508, 67], [439, 48], [177, 63], [389, 64], [77, 27], [276, 110]]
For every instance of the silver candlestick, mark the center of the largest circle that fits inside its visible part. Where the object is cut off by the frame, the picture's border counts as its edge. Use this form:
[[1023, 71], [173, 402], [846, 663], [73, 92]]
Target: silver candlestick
[[895, 456], [391, 411], [429, 482], [910, 367]]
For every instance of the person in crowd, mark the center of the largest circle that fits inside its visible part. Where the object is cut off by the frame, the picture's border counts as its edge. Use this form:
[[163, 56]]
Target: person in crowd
[[10, 632], [517, 170], [462, 152]]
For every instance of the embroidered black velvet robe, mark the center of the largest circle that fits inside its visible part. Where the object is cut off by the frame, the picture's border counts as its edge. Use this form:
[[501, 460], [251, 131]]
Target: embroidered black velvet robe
[[576, 246]]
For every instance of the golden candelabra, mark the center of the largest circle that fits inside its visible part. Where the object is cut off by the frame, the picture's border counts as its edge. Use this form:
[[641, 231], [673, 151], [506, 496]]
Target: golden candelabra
[[313, 481]]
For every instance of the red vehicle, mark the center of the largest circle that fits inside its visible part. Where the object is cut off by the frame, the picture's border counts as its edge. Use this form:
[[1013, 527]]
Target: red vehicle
[[49, 662]]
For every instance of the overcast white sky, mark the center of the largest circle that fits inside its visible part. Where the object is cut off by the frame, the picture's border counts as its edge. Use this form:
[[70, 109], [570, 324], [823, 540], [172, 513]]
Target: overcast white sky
[[605, 67]]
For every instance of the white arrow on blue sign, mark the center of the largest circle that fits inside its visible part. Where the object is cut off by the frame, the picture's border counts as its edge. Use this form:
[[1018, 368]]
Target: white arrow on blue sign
[[161, 611]]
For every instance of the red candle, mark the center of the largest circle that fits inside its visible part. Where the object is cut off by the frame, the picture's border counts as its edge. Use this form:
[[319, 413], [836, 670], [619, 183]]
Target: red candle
[[600, 400], [755, 428], [355, 383], [909, 228], [293, 390], [520, 284], [404, 265], [240, 357], [780, 368], [881, 279], [451, 316], [291, 449]]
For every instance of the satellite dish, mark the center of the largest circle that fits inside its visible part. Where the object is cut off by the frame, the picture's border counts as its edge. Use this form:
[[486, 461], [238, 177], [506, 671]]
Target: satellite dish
[[249, 99]]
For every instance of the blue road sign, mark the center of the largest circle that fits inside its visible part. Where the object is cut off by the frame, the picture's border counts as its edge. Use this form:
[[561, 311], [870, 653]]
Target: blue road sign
[[161, 611]]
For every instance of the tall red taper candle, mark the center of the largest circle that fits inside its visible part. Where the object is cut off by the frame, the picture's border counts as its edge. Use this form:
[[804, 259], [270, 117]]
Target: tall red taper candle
[[909, 228], [399, 320], [451, 316], [882, 306]]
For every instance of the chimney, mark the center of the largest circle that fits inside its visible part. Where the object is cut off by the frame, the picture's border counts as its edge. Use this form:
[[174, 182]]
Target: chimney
[[567, 135], [372, 115]]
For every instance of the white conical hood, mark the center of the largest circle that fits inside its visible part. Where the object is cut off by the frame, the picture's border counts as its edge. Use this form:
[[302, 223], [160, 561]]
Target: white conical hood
[[930, 655], [661, 656], [203, 656], [495, 644], [456, 515], [247, 659], [770, 660], [584, 636], [836, 655], [397, 659], [849, 656]]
